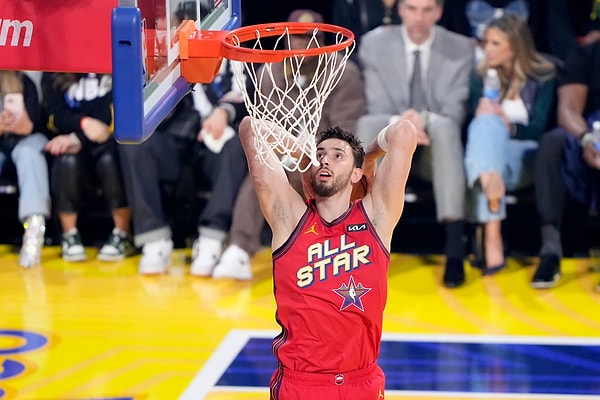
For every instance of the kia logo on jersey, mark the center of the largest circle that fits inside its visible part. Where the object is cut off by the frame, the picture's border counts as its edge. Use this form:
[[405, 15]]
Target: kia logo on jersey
[[356, 228]]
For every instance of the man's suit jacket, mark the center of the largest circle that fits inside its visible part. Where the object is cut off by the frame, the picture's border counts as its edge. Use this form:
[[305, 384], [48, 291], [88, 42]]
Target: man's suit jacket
[[382, 54]]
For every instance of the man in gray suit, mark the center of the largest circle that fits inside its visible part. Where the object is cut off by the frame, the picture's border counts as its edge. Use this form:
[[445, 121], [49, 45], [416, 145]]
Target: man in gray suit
[[421, 71]]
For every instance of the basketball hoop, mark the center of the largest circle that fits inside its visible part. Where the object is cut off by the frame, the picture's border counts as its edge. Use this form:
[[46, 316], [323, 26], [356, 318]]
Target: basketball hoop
[[282, 99]]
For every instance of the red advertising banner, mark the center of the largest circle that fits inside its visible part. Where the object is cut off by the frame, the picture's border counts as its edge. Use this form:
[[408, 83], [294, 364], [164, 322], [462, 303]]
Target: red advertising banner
[[56, 35]]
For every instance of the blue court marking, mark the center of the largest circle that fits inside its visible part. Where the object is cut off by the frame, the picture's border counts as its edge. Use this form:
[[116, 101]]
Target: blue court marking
[[446, 364]]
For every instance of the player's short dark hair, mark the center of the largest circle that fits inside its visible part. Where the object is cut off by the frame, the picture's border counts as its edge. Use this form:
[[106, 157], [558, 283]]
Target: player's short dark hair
[[338, 133]]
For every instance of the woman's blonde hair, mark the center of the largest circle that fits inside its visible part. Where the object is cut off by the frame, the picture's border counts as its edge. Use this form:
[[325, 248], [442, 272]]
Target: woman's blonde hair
[[11, 82], [527, 62]]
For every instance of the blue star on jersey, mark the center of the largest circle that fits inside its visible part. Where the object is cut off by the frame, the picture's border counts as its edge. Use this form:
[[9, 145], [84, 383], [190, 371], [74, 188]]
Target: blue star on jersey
[[351, 293]]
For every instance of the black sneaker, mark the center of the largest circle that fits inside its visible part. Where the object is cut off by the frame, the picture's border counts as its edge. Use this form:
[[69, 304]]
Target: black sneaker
[[72, 248], [118, 246], [454, 274], [547, 273]]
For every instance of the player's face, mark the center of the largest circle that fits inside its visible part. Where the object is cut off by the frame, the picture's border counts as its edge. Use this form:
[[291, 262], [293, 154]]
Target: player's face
[[419, 17], [336, 167]]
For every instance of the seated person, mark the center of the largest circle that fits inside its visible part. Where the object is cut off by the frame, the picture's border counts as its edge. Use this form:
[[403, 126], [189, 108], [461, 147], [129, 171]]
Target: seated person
[[208, 118], [80, 115], [471, 17], [425, 78], [568, 158], [361, 16], [503, 136], [21, 141], [571, 23]]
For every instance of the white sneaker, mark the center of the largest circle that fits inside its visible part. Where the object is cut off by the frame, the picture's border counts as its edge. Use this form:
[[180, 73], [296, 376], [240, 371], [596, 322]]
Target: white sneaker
[[33, 241], [205, 255], [235, 263], [156, 257]]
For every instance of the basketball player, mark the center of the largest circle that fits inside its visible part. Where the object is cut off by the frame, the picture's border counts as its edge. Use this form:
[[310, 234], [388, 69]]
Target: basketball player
[[330, 258]]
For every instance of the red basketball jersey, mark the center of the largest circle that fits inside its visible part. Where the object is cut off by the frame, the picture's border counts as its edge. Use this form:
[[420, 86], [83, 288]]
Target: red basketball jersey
[[330, 285]]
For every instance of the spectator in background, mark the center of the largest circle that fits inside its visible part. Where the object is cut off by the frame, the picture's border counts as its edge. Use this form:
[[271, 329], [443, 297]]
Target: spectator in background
[[361, 16], [420, 71], [343, 107], [80, 115], [503, 136], [568, 160], [201, 130], [23, 144], [470, 18], [571, 23]]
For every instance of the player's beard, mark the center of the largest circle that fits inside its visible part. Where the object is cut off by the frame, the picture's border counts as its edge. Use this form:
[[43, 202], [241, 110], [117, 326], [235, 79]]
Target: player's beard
[[323, 189]]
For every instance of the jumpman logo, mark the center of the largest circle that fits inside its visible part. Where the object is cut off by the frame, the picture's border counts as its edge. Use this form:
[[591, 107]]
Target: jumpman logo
[[312, 230], [380, 396]]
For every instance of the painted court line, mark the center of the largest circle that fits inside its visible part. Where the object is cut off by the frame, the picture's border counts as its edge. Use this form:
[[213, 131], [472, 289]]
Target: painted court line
[[205, 381]]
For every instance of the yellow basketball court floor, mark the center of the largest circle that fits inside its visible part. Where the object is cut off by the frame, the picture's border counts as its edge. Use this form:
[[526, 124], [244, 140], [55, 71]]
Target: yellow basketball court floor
[[97, 330]]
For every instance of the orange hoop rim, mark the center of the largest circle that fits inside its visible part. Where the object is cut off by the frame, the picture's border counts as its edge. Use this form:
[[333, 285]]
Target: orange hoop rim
[[233, 39]]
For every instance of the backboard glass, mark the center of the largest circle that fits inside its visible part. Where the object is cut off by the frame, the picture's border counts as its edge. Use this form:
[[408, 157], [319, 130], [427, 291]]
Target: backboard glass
[[146, 70]]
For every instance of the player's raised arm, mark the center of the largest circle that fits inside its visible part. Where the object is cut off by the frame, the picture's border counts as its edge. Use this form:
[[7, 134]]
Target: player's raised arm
[[281, 205], [385, 201]]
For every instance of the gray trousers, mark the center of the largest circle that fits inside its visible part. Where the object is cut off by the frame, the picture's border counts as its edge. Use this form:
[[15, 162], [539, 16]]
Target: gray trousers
[[440, 163]]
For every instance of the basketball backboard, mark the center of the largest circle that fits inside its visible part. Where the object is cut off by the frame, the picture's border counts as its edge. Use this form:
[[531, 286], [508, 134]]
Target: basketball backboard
[[147, 77]]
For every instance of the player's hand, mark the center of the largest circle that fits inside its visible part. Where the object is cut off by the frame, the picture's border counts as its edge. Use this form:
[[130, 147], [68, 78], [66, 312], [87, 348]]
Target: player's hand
[[63, 144], [95, 130], [419, 122]]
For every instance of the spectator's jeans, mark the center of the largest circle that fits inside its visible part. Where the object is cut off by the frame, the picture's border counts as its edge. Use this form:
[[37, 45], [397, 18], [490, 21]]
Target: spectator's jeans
[[489, 148], [32, 175]]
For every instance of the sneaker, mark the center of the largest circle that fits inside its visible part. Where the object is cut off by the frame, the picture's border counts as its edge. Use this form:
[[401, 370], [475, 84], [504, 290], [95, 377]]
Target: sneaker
[[547, 273], [156, 257], [205, 255], [234, 263], [118, 246], [72, 248], [33, 241]]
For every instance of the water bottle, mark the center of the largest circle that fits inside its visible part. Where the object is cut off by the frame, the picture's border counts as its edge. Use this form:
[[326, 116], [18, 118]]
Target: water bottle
[[596, 134], [491, 85]]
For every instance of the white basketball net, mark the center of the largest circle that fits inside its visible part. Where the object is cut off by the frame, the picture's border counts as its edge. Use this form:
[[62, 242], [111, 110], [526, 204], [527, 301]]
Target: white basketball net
[[286, 107]]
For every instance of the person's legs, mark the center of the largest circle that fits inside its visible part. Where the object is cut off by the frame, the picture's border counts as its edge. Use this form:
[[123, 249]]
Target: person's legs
[[34, 195], [486, 157], [444, 159], [145, 167], [244, 236], [108, 173], [32, 173], [226, 171], [485, 160], [550, 195], [66, 186]]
